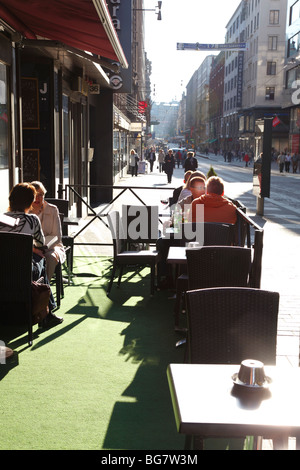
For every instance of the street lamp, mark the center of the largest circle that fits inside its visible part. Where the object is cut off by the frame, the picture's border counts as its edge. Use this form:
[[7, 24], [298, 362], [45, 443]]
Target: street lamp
[[158, 13]]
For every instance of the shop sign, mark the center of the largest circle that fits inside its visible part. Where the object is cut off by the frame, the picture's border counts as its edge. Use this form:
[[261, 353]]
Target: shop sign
[[94, 89], [121, 15], [239, 94]]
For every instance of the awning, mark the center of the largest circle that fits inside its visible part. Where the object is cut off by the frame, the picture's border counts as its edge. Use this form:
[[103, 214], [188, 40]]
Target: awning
[[83, 24]]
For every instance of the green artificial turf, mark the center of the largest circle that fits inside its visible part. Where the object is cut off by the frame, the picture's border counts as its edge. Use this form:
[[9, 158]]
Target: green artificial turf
[[98, 380]]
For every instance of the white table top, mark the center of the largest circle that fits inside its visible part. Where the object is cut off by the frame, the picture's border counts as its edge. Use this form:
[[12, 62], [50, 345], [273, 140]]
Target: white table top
[[177, 255], [206, 402]]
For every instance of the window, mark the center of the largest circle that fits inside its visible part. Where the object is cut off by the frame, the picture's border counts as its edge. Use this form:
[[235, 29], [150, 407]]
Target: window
[[270, 93], [274, 17], [293, 45], [272, 43], [271, 68], [294, 12], [4, 117]]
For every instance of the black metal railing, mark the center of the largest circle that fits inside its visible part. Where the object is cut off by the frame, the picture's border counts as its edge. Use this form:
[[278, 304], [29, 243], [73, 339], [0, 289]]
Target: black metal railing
[[249, 233]]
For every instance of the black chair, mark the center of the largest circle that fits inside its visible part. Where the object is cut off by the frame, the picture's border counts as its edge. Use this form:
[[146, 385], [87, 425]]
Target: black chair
[[140, 224], [227, 325], [128, 258], [211, 234], [218, 266], [15, 279]]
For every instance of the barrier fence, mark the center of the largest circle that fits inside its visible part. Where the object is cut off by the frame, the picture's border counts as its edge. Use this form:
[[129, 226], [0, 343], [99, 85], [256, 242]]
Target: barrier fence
[[249, 233]]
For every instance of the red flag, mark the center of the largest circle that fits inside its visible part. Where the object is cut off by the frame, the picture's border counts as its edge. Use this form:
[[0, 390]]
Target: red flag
[[276, 121]]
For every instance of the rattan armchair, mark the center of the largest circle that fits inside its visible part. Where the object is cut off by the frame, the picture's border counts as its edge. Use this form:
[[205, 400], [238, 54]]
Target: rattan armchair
[[214, 266], [227, 325], [128, 258], [15, 279], [140, 224]]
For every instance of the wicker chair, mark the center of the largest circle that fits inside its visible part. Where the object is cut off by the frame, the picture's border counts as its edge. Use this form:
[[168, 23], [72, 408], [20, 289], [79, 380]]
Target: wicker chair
[[124, 258], [68, 240], [15, 279], [230, 324], [213, 233], [147, 231], [214, 266]]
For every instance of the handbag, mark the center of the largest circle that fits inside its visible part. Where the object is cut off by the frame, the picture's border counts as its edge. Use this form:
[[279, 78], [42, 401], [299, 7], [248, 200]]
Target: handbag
[[40, 296]]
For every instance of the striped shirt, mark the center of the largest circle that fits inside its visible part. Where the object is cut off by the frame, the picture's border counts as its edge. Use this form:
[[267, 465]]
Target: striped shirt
[[28, 223]]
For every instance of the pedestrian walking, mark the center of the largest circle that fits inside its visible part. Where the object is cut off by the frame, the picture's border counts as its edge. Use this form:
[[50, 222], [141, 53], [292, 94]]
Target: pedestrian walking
[[133, 162], [152, 158], [246, 159], [281, 161], [287, 162], [178, 158], [295, 159], [191, 162], [169, 165], [161, 159]]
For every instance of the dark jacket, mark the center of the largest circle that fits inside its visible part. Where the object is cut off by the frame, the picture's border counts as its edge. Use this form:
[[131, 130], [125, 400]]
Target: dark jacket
[[190, 163], [169, 163]]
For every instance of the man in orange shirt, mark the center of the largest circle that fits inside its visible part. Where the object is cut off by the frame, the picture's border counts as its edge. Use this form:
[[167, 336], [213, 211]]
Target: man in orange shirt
[[216, 207]]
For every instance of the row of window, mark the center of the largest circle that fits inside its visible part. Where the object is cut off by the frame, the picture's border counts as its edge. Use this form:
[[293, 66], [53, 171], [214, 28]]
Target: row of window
[[230, 103]]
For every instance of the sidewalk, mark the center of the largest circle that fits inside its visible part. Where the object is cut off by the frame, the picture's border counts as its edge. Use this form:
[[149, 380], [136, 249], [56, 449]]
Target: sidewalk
[[280, 271]]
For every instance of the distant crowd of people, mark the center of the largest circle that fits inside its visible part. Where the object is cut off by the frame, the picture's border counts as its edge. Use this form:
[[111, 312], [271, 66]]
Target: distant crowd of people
[[286, 162]]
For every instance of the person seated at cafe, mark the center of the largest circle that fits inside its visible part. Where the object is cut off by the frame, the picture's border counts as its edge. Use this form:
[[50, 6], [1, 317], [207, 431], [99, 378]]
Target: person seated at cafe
[[177, 192], [197, 187], [21, 198], [50, 220], [217, 208], [186, 191]]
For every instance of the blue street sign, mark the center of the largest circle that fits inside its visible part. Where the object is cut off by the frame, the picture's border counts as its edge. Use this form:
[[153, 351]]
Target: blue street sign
[[236, 46]]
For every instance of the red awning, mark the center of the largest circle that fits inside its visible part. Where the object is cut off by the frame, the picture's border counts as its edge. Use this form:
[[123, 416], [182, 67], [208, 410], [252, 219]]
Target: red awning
[[72, 22]]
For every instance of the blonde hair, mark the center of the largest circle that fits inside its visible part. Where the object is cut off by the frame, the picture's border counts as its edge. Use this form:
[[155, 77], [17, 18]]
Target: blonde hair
[[39, 186]]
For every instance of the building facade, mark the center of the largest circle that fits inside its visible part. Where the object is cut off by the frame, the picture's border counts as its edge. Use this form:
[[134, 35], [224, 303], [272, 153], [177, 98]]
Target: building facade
[[292, 74], [61, 120], [254, 80], [264, 31]]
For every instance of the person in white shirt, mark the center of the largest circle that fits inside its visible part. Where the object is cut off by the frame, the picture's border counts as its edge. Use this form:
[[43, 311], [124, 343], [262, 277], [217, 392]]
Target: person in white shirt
[[50, 220]]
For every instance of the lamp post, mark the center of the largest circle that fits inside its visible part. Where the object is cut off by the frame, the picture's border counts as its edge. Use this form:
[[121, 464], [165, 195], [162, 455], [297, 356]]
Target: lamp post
[[158, 13]]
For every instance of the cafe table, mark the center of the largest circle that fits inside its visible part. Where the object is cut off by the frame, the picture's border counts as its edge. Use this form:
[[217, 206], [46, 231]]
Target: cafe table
[[177, 255], [207, 403]]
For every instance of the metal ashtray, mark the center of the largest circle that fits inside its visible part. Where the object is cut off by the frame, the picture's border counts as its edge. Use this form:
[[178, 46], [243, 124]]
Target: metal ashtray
[[252, 375]]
